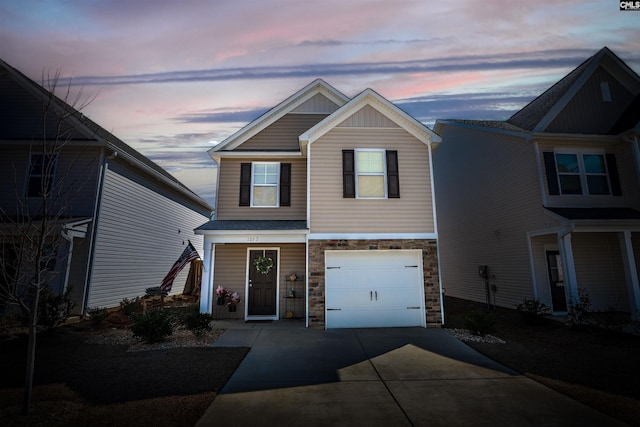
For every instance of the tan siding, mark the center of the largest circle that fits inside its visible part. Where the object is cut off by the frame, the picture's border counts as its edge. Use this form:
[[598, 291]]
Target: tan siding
[[569, 201], [628, 175], [488, 198], [317, 104], [331, 213], [230, 266], [229, 193], [368, 117], [283, 134], [587, 112], [600, 271], [140, 235]]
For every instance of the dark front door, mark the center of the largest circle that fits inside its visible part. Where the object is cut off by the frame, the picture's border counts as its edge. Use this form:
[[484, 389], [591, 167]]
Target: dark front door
[[262, 287], [556, 281]]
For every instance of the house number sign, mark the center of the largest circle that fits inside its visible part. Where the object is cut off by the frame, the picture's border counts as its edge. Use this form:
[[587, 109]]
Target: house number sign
[[253, 239]]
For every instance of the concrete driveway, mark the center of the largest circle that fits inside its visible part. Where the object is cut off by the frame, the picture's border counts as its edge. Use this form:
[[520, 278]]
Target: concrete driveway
[[379, 377]]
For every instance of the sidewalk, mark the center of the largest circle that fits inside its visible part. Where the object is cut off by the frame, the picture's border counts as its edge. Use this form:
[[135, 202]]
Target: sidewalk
[[380, 377]]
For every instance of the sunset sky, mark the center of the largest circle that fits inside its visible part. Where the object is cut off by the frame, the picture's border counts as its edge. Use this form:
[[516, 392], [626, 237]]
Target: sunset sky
[[171, 78]]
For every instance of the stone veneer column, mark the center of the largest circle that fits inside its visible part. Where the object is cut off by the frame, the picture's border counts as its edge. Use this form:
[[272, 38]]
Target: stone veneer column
[[316, 295]]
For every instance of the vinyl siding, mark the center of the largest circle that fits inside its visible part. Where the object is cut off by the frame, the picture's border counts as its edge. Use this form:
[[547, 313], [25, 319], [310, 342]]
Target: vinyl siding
[[538, 244], [229, 189], [587, 113], [368, 117], [283, 134], [317, 104], [331, 213], [230, 266], [140, 235], [569, 201], [600, 271], [627, 169], [488, 198]]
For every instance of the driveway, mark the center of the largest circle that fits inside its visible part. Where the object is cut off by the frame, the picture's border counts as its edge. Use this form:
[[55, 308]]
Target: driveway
[[379, 377]]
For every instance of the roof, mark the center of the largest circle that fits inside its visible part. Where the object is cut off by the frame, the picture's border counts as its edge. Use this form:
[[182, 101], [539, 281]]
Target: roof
[[537, 115], [629, 119], [253, 225], [27, 96], [492, 124], [596, 213]]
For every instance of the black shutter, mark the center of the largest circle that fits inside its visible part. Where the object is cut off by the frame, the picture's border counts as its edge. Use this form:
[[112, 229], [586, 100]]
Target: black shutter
[[552, 174], [285, 184], [348, 174], [614, 177], [393, 181], [245, 184]]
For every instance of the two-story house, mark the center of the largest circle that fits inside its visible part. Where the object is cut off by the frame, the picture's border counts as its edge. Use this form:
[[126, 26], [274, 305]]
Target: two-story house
[[549, 199], [338, 191], [121, 221]]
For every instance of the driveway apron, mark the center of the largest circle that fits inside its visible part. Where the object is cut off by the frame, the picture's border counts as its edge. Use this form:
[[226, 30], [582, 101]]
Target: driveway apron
[[380, 377]]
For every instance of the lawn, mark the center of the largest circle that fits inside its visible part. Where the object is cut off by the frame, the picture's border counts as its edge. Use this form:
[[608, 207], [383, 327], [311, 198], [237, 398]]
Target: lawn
[[595, 366]]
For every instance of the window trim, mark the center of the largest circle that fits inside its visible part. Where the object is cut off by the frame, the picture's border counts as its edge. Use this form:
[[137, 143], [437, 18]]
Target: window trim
[[383, 173], [582, 173], [253, 184]]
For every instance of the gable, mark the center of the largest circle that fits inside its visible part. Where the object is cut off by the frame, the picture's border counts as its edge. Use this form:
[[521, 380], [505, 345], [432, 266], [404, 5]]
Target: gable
[[368, 117], [588, 112], [318, 104], [283, 134]]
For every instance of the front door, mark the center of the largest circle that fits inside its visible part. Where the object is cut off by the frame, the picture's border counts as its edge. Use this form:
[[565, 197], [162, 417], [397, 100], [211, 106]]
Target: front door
[[556, 281], [263, 287]]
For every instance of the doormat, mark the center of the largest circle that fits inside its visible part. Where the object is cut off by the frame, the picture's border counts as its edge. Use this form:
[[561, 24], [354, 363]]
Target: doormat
[[258, 321]]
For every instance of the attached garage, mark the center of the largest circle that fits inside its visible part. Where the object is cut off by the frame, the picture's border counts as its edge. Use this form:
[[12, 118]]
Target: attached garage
[[369, 289]]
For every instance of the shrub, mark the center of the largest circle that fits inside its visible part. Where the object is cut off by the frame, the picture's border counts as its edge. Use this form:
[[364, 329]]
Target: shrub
[[54, 309], [532, 310], [131, 306], [153, 326], [578, 310], [98, 314], [479, 323], [198, 323]]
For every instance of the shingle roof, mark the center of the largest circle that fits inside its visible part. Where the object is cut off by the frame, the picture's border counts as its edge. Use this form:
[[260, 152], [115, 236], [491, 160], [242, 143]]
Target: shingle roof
[[257, 225], [494, 124], [629, 118], [596, 213]]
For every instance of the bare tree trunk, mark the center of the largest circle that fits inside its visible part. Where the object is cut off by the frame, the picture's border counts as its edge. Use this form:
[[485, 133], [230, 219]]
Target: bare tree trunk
[[31, 353]]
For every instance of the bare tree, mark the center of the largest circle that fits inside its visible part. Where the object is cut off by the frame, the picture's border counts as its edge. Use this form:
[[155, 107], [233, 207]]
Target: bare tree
[[32, 222]]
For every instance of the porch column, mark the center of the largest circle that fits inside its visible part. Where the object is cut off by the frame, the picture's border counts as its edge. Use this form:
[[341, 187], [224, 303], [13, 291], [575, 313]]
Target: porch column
[[631, 273], [568, 266], [206, 289]]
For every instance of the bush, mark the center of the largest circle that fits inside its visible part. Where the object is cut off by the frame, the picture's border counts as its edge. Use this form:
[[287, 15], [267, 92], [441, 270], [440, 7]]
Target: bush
[[198, 323], [578, 310], [54, 309], [153, 326], [98, 314], [479, 323], [532, 310], [131, 306]]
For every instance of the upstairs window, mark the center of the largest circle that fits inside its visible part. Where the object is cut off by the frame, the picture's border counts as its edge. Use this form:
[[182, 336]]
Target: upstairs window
[[265, 184], [41, 173], [370, 174], [582, 174]]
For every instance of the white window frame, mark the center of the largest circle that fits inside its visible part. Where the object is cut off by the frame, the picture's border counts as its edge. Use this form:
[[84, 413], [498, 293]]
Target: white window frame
[[277, 184], [383, 173], [584, 184]]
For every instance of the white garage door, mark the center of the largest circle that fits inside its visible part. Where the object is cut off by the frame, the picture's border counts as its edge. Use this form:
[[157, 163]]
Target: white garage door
[[367, 289]]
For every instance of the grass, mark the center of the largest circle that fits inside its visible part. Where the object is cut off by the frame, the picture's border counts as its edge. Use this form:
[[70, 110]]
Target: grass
[[595, 366]]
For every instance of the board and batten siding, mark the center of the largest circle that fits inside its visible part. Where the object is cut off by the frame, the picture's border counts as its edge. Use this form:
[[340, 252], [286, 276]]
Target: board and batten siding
[[140, 236], [331, 213], [488, 198], [230, 263], [229, 193]]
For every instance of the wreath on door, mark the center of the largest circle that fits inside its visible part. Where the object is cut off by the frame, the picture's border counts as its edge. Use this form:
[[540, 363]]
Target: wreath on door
[[263, 264]]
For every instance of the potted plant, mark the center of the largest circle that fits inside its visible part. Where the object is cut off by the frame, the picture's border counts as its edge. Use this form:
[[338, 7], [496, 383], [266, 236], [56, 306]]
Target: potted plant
[[222, 294], [232, 300], [293, 277]]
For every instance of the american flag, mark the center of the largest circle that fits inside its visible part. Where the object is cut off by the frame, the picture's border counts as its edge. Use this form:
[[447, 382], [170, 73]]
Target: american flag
[[189, 254]]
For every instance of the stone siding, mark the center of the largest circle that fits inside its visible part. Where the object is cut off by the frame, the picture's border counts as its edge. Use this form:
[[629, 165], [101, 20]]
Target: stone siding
[[316, 276]]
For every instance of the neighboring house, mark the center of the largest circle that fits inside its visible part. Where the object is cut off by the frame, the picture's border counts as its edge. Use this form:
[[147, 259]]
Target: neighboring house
[[549, 200], [125, 220], [338, 191]]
